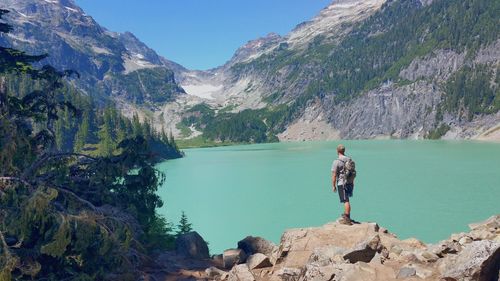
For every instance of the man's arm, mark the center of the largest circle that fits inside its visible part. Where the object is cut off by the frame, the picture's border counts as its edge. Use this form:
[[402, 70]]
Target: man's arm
[[334, 175], [334, 180]]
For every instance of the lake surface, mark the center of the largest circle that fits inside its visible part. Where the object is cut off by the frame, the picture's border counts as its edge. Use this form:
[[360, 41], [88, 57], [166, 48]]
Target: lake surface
[[422, 189]]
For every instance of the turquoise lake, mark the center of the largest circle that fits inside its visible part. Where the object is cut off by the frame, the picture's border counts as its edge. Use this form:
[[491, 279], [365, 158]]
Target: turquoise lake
[[422, 189]]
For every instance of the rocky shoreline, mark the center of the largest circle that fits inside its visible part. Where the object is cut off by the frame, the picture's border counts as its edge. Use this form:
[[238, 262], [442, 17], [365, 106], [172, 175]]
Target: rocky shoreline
[[335, 252]]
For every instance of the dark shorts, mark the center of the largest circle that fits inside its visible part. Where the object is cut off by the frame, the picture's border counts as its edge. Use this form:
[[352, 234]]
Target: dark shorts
[[345, 191]]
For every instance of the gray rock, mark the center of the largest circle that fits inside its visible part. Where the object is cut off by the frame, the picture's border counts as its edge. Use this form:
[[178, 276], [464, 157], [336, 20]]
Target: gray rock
[[365, 251], [400, 112], [483, 234], [406, 272], [252, 245], [479, 261], [192, 245], [429, 257], [396, 250], [218, 260], [491, 223], [288, 273], [377, 259], [465, 240], [325, 255], [233, 257], [440, 65], [215, 273], [446, 247], [241, 273], [258, 260], [319, 273]]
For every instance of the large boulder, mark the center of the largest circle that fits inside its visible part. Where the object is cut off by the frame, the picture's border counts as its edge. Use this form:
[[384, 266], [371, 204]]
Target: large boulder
[[253, 245], [241, 273], [478, 261], [486, 230], [192, 245], [214, 273], [257, 261], [364, 251], [348, 272], [233, 257], [297, 245], [406, 272]]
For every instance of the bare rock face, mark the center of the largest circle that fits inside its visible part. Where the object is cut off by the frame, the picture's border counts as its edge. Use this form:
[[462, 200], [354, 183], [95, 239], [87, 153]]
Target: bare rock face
[[257, 261], [479, 261], [297, 245], [397, 111], [192, 245], [214, 273], [233, 257], [439, 65], [241, 273], [365, 251], [252, 245]]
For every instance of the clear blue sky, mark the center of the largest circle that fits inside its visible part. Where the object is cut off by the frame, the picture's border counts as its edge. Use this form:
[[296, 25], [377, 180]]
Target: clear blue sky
[[200, 34]]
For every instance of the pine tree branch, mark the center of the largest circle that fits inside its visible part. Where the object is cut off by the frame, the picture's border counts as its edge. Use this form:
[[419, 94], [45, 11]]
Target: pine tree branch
[[15, 179], [43, 160]]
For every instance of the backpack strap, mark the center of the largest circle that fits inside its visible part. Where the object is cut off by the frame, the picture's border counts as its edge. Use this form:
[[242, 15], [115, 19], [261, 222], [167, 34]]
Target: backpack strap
[[342, 172]]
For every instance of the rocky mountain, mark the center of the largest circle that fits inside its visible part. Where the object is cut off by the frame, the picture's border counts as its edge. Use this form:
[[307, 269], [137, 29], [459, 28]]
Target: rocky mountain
[[335, 252], [111, 64], [367, 69], [359, 69]]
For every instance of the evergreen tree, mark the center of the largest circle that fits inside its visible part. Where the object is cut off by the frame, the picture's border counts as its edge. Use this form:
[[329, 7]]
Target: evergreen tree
[[184, 226], [137, 126], [164, 137], [59, 133], [76, 216], [121, 130], [82, 134], [106, 144]]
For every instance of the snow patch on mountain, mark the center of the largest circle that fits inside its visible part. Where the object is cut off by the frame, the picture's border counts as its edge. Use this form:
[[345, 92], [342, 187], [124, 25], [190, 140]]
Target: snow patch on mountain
[[133, 62], [205, 91]]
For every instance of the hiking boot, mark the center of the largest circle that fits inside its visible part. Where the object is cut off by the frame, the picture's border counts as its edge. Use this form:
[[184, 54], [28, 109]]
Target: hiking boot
[[354, 221], [344, 219]]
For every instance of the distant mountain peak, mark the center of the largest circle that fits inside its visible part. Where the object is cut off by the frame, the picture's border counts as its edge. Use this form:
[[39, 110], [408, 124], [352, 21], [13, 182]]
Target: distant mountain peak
[[329, 21], [255, 48], [74, 40]]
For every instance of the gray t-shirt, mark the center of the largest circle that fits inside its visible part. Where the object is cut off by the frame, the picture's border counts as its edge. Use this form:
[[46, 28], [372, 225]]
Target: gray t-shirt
[[337, 167]]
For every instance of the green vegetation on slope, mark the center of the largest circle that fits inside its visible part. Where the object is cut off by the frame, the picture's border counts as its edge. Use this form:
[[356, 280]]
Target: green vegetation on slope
[[247, 126], [377, 49], [65, 215], [472, 91], [156, 85], [98, 128]]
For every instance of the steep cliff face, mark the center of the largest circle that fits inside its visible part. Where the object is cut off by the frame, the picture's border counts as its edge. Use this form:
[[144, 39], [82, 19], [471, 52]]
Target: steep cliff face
[[106, 60], [365, 69], [359, 69]]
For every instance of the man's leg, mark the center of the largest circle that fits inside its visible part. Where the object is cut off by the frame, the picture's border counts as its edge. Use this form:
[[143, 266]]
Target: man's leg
[[347, 209]]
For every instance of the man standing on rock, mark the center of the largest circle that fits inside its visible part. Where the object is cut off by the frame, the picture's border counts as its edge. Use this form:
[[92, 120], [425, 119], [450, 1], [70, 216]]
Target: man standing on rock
[[343, 173]]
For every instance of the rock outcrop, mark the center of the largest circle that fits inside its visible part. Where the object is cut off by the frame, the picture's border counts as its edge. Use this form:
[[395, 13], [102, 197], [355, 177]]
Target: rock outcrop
[[366, 251], [192, 245], [253, 245]]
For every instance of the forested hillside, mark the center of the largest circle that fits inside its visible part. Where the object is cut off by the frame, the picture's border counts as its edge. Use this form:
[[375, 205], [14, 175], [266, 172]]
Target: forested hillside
[[406, 53], [115, 65], [77, 181], [98, 127]]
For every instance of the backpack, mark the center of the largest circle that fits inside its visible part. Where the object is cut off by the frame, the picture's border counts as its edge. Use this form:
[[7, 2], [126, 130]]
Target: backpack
[[349, 170]]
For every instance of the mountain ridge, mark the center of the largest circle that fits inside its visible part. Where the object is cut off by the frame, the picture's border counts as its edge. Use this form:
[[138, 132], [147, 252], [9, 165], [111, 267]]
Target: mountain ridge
[[74, 40], [353, 71]]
